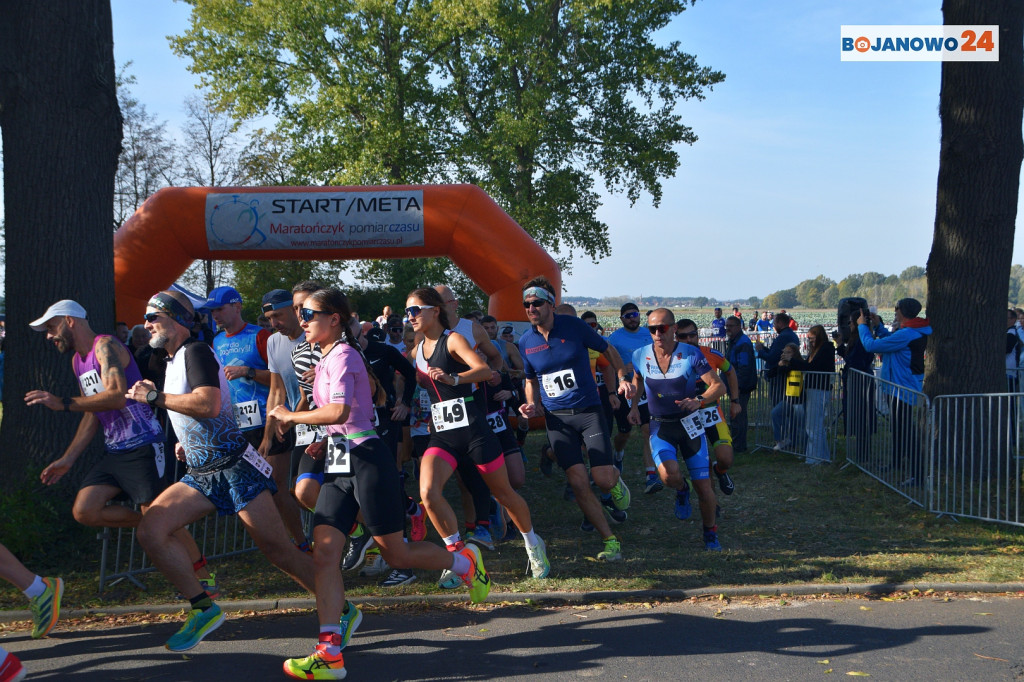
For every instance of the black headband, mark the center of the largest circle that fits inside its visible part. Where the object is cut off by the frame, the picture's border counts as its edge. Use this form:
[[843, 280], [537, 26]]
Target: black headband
[[173, 308]]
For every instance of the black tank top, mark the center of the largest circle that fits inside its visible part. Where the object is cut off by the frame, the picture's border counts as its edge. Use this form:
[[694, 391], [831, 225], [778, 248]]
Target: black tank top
[[444, 361]]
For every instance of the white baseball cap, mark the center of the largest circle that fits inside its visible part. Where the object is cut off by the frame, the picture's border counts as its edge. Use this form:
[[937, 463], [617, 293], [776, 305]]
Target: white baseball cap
[[58, 309]]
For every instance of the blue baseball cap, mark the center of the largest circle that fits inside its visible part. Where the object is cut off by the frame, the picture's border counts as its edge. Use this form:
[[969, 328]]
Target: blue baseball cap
[[275, 299], [221, 296]]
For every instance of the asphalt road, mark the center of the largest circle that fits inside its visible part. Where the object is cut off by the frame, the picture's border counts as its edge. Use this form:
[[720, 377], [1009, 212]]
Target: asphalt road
[[928, 638]]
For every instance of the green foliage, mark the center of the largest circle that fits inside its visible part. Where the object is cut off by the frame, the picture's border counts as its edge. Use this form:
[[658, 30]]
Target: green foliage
[[255, 278], [34, 520], [781, 299]]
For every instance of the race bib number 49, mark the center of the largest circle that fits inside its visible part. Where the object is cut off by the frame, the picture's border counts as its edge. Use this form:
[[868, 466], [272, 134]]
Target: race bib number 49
[[247, 414], [449, 414], [558, 383]]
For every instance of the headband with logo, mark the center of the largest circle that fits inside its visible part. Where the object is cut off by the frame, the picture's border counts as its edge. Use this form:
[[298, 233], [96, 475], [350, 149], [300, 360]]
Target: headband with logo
[[173, 308], [540, 292]]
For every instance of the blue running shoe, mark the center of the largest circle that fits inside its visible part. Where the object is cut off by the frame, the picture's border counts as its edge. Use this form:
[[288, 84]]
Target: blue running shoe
[[711, 542], [481, 536], [197, 626], [683, 509], [653, 484], [350, 621]]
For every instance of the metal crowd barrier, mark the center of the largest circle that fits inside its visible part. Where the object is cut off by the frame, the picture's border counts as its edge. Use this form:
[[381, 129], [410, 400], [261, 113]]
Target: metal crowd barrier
[[888, 434]]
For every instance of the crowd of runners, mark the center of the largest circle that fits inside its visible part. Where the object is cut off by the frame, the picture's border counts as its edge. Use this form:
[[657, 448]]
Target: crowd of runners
[[323, 413]]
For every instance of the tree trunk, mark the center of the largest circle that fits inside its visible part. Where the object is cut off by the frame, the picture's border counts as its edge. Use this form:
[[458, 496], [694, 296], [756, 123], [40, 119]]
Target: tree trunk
[[980, 108], [61, 138]]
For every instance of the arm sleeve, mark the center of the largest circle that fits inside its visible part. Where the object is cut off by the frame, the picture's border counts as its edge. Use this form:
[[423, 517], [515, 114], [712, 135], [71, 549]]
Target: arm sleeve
[[201, 366]]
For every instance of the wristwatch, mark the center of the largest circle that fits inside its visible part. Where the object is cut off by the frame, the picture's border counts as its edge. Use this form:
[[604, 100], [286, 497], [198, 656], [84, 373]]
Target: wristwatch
[[67, 404], [455, 378], [152, 396], [250, 373]]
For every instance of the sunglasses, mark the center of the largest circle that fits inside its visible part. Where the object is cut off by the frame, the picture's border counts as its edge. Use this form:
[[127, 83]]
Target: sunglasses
[[534, 304], [307, 314], [415, 310], [151, 317], [686, 335], [396, 329], [660, 328], [630, 315]]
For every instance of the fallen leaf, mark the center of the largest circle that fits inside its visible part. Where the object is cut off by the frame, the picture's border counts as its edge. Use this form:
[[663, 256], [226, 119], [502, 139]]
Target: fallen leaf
[[888, 599], [857, 673], [824, 662], [865, 608], [828, 671], [718, 613], [982, 614], [992, 658]]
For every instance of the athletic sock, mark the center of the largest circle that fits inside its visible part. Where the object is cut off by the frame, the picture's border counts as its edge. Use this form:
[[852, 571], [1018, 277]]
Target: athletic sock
[[330, 648], [651, 471], [201, 601], [36, 588], [453, 543], [530, 538], [460, 564]]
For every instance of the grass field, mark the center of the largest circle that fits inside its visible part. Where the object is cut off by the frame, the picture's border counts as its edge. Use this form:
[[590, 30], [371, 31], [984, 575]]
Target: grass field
[[787, 523]]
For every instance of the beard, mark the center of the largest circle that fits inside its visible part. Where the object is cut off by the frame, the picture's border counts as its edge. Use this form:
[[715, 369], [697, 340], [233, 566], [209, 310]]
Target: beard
[[158, 341]]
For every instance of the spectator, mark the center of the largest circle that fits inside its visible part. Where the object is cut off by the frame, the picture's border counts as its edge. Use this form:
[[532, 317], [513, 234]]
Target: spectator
[[902, 354], [764, 324], [792, 323], [475, 315], [736, 313], [122, 332], [396, 333], [821, 361], [786, 418], [773, 353], [740, 353], [859, 394], [718, 324], [383, 318], [138, 339], [754, 319]]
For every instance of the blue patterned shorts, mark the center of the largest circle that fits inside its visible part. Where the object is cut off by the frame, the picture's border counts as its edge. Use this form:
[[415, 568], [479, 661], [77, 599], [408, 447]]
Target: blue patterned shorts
[[232, 488]]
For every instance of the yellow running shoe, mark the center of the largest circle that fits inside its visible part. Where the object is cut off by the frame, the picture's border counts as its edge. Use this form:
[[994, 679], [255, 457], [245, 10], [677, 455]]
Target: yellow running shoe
[[476, 579], [46, 607], [319, 665]]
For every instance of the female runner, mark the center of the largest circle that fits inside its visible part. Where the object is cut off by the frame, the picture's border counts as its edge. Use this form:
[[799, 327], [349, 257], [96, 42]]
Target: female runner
[[359, 474]]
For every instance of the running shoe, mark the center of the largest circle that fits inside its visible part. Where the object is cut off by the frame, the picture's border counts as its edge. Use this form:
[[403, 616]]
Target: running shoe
[[46, 607], [476, 579], [400, 576], [615, 515], [319, 665], [725, 482], [357, 546], [349, 622], [620, 495], [711, 542], [683, 509], [545, 461], [197, 626], [497, 519], [586, 526], [653, 484], [375, 565], [612, 550], [511, 532], [538, 555], [450, 580], [418, 532], [482, 537], [11, 669]]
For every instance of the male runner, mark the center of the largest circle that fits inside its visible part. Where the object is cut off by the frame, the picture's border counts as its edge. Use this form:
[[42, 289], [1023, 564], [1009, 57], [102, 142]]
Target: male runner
[[560, 386], [284, 390], [670, 370], [134, 460], [226, 473]]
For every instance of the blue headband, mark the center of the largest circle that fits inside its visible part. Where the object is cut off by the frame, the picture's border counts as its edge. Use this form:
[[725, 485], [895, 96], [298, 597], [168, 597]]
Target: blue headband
[[539, 292], [173, 308]]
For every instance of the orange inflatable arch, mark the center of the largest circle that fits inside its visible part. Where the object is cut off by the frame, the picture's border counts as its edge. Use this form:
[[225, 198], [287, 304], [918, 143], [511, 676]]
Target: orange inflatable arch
[[179, 225]]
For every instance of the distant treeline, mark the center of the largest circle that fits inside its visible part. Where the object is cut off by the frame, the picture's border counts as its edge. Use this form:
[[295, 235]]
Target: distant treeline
[[820, 292]]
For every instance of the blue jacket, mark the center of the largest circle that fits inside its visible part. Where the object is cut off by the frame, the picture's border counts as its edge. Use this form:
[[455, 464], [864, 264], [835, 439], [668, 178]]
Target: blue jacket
[[773, 353], [740, 354], [902, 354]]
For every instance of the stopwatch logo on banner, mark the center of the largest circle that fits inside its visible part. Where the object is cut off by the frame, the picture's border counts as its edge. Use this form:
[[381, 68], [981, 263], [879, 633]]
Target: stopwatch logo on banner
[[235, 224], [940, 43]]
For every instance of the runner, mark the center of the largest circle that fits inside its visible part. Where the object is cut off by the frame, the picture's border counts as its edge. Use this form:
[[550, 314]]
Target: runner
[[447, 367], [284, 390], [626, 340], [133, 462], [571, 407], [308, 473], [360, 475], [715, 427], [44, 596], [226, 474], [670, 371]]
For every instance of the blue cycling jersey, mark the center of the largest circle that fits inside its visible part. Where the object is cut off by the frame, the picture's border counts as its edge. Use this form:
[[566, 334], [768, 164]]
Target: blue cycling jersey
[[561, 363], [685, 368]]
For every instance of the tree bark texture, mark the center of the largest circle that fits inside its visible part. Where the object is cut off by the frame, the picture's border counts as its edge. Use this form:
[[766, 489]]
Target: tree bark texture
[[980, 108], [61, 130]]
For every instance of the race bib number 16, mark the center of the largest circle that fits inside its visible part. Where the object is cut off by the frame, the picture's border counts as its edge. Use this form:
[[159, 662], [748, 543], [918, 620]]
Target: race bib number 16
[[558, 383]]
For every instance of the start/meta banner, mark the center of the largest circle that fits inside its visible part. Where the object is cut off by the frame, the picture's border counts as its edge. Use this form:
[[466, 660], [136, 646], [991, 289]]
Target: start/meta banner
[[310, 220], [936, 43]]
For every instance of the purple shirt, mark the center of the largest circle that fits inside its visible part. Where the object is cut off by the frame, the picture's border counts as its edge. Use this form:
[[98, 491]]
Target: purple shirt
[[341, 378]]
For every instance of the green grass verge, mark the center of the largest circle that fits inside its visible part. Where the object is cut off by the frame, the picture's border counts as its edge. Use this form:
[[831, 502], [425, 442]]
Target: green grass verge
[[787, 523]]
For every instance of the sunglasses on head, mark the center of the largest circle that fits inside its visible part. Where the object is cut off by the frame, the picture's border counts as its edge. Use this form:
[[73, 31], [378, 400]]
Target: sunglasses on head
[[538, 303], [415, 310], [660, 328], [686, 335], [307, 314], [632, 314], [151, 317]]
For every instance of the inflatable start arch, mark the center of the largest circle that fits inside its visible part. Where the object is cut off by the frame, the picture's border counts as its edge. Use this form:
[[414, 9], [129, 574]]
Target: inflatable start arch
[[179, 225]]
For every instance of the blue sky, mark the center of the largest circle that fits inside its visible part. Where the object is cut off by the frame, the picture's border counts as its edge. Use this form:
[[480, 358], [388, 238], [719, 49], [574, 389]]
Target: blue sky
[[805, 165]]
